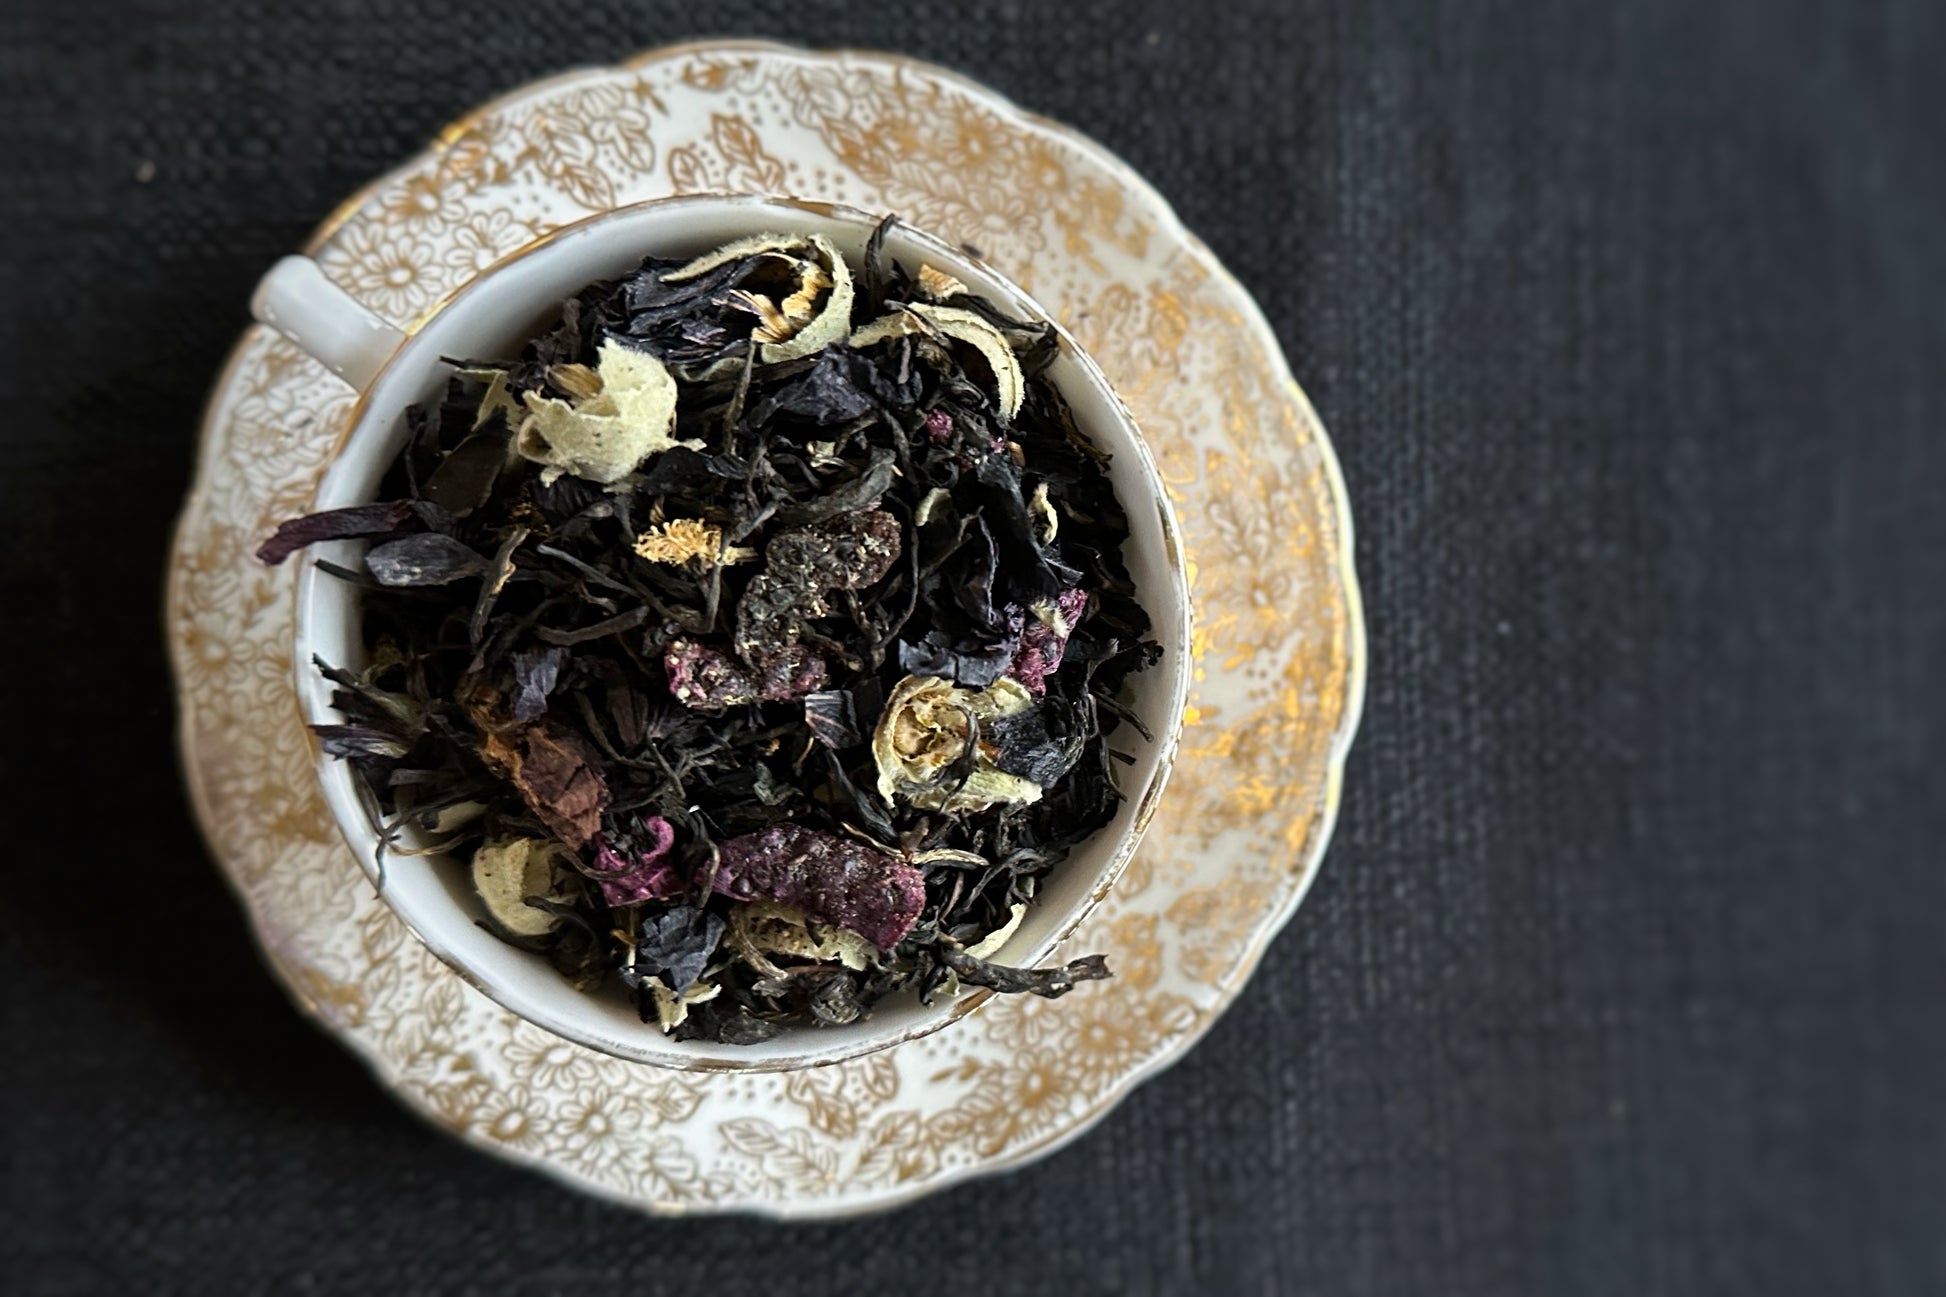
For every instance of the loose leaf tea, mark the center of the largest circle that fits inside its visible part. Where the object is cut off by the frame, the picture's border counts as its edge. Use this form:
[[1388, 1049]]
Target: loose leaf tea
[[754, 636]]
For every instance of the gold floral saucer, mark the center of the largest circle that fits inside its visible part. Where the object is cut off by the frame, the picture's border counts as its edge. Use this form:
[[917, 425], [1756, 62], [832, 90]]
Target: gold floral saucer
[[1279, 640]]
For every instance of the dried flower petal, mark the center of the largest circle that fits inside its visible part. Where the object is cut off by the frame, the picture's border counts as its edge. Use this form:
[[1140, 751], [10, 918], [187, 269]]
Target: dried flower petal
[[937, 284], [831, 880], [605, 437], [672, 947], [923, 734], [680, 540], [1041, 510], [359, 520], [959, 325], [986, 946], [794, 330], [558, 775], [672, 1007]]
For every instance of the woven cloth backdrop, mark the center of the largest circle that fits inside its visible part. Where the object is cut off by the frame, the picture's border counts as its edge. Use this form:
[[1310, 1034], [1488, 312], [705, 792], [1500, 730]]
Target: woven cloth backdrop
[[1625, 972]]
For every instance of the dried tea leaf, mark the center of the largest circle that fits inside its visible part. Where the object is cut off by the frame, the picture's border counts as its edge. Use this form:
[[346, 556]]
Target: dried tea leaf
[[999, 937], [465, 478], [605, 437], [1050, 983], [510, 872], [359, 741], [429, 558], [832, 719]]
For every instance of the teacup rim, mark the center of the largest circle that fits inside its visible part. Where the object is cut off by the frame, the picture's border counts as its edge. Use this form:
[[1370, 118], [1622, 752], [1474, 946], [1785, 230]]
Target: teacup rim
[[364, 843]]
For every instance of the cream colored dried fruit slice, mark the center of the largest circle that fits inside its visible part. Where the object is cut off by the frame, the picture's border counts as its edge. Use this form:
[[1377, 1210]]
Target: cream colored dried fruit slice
[[773, 928], [507, 873], [825, 325], [959, 325], [608, 435]]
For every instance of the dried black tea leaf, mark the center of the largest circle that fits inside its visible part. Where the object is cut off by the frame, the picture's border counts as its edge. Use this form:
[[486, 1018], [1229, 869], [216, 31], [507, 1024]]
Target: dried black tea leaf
[[754, 636], [1051, 983], [429, 558]]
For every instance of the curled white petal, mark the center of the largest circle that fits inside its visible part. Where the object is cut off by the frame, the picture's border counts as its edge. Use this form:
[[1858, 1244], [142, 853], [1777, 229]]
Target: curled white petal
[[607, 436]]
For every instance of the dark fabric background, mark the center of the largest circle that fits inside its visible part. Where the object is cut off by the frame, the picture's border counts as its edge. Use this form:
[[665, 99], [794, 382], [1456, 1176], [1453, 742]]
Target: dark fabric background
[[1626, 972]]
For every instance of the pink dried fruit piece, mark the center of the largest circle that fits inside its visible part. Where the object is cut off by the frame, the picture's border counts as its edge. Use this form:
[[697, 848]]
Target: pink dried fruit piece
[[832, 880], [708, 679], [642, 875], [1042, 645], [846, 552]]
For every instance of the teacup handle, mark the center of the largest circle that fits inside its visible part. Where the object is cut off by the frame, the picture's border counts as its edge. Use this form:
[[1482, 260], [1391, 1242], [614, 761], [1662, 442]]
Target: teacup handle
[[333, 327]]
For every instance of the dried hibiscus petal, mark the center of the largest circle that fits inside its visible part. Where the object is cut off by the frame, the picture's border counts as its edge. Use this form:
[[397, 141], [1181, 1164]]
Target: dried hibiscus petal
[[829, 879]]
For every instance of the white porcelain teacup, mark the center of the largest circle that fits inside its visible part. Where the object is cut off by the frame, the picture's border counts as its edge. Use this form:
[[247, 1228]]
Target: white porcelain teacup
[[491, 316]]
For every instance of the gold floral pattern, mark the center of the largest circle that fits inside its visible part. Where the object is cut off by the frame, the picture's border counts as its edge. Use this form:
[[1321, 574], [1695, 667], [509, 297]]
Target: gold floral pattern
[[1278, 641]]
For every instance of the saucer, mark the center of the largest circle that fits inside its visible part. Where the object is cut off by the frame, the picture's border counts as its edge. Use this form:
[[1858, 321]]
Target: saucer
[[1279, 645]]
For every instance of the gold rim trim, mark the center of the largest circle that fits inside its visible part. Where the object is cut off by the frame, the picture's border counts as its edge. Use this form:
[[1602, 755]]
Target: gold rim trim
[[1172, 552]]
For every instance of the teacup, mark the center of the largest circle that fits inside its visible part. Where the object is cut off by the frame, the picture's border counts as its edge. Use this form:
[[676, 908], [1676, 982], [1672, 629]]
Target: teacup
[[491, 316]]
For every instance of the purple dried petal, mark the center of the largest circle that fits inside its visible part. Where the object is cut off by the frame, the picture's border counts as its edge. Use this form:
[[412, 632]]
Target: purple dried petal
[[390, 518], [1041, 647], [832, 880], [939, 426], [648, 876]]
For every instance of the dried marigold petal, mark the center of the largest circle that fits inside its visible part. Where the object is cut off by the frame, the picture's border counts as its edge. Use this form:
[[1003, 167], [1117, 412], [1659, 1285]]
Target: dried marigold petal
[[679, 541]]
